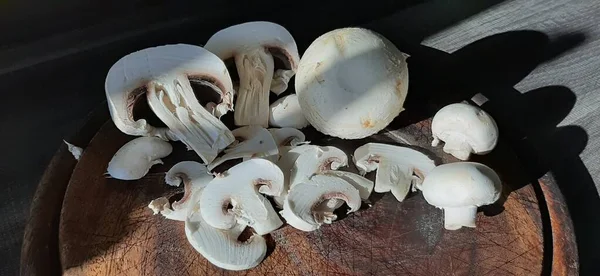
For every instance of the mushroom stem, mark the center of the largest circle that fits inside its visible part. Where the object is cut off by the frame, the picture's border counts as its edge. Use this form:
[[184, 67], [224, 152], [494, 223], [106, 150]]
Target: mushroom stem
[[255, 69], [172, 99], [457, 217]]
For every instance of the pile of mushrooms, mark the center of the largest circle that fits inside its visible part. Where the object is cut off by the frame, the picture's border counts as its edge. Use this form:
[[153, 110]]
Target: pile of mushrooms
[[350, 83]]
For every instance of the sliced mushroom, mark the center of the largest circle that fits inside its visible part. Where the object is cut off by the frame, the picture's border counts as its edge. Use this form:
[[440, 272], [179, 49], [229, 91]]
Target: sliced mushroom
[[362, 184], [194, 177], [286, 163], [134, 159], [240, 187], [286, 112], [351, 83], [254, 141], [317, 161], [398, 168], [162, 73], [464, 129], [74, 150], [221, 247], [253, 46], [287, 138], [305, 207], [459, 188]]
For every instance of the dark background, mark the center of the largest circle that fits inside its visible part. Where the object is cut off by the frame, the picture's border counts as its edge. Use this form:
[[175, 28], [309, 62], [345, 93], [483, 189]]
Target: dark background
[[542, 83]]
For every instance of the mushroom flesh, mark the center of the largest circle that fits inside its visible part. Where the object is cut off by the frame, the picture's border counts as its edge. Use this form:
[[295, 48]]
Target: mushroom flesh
[[134, 159], [287, 138], [464, 129], [253, 141], [459, 188], [316, 161], [74, 150], [286, 163], [286, 112]]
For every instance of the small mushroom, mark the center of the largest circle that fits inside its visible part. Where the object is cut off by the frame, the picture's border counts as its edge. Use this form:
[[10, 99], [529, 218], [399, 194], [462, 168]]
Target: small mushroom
[[351, 83], [253, 141], [286, 112], [240, 187], [398, 168], [163, 73], [459, 188], [305, 207], [464, 129], [194, 177], [253, 46], [221, 247], [134, 159]]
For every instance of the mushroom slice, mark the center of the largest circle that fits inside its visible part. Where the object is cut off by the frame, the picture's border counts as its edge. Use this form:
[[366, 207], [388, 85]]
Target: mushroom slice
[[254, 141], [240, 187], [194, 177], [459, 188], [253, 46], [287, 138], [398, 168], [362, 184], [134, 159], [162, 73], [221, 247], [465, 129], [316, 161], [286, 163], [286, 112], [305, 207]]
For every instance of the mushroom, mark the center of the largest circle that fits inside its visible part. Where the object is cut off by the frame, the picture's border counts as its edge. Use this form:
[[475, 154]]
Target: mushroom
[[253, 46], [240, 187], [134, 159], [254, 141], [286, 163], [362, 184], [74, 150], [459, 188], [221, 247], [398, 168], [464, 129], [162, 74], [287, 138], [194, 177], [305, 207], [351, 83], [286, 112], [316, 161]]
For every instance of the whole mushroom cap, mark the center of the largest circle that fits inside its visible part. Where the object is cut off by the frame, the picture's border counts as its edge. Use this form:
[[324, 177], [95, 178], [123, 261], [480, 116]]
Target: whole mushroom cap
[[461, 184], [351, 83]]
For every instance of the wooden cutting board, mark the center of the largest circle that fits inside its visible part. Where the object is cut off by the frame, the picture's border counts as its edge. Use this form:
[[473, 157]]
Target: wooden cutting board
[[105, 227]]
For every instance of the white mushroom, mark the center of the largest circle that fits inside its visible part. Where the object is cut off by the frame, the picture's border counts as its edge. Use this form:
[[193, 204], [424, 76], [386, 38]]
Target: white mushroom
[[253, 46], [305, 207], [351, 83], [316, 161], [286, 163], [134, 159], [398, 168], [464, 129], [240, 187], [194, 177], [254, 141], [287, 138], [74, 150], [221, 247], [362, 184], [163, 74], [286, 112], [459, 188]]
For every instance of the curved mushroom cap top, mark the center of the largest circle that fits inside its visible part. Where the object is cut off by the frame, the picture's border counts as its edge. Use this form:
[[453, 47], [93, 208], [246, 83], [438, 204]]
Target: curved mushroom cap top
[[230, 41], [468, 122], [351, 83], [127, 78], [461, 184]]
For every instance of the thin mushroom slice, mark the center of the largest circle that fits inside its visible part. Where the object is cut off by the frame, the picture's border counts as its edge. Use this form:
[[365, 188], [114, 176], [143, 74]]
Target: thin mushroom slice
[[286, 163], [398, 168], [163, 74], [221, 247], [362, 184], [286, 112], [287, 138], [305, 205], [240, 187], [253, 141], [317, 161], [134, 159], [253, 46]]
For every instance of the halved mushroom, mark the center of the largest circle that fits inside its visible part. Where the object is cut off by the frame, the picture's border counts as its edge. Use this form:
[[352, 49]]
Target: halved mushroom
[[253, 141], [305, 206], [286, 112], [253, 46], [240, 187], [134, 159], [459, 188], [465, 129], [163, 73], [221, 247], [398, 168], [194, 177]]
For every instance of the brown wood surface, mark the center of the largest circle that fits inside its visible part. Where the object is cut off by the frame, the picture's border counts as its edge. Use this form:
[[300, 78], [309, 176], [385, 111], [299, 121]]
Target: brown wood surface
[[106, 228]]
